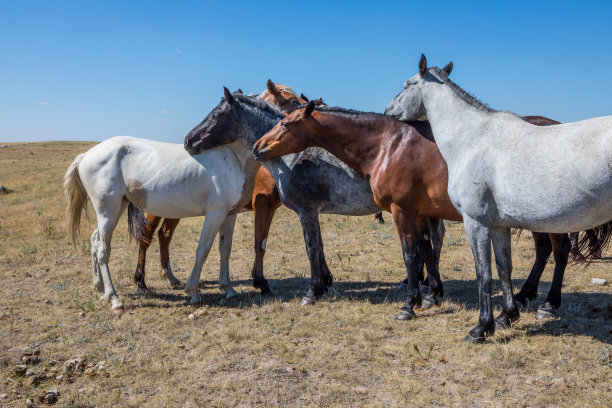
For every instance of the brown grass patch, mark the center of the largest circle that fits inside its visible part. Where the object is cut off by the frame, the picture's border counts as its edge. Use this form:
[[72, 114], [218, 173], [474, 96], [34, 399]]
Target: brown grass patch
[[345, 350]]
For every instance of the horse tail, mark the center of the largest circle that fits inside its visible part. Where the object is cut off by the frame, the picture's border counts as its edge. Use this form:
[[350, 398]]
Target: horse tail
[[594, 241], [77, 199], [138, 225]]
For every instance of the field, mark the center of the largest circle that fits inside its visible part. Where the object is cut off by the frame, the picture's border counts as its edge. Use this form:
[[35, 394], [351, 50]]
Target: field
[[346, 350]]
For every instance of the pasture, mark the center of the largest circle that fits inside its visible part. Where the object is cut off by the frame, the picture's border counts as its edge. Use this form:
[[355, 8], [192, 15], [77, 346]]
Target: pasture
[[345, 350]]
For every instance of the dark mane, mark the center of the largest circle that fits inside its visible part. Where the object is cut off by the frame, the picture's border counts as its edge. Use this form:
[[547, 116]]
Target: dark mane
[[466, 97], [258, 103], [347, 112]]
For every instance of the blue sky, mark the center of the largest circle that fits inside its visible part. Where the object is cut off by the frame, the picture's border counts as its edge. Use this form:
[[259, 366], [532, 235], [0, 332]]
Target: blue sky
[[90, 70]]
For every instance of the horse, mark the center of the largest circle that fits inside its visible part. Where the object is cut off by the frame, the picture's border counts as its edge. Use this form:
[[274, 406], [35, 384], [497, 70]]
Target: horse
[[264, 203], [505, 172], [151, 175], [353, 135], [309, 183]]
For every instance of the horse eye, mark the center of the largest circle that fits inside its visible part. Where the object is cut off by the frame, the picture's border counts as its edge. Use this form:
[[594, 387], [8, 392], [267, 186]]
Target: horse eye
[[283, 124]]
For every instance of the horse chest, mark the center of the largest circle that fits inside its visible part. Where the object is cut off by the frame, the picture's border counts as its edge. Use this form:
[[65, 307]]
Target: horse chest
[[248, 184]]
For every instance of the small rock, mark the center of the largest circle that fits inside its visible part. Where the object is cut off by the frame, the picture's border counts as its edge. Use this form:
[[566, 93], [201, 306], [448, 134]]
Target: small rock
[[33, 380], [60, 377], [360, 390], [4, 190], [50, 397], [256, 318], [20, 369], [3, 396], [191, 316], [30, 373], [76, 364], [47, 302], [181, 346], [3, 146], [89, 370], [47, 280], [598, 281], [30, 403], [82, 314]]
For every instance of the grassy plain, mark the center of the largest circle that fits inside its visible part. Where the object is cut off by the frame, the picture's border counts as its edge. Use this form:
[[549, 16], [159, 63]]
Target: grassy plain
[[346, 350]]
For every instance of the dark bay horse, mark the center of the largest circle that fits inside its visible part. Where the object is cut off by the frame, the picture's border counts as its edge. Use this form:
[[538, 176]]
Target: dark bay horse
[[408, 177], [309, 183]]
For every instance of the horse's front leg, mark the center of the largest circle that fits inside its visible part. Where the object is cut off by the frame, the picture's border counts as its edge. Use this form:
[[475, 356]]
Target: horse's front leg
[[143, 246], [165, 236], [502, 240], [212, 223], [226, 233], [479, 237], [409, 234], [314, 248], [543, 248]]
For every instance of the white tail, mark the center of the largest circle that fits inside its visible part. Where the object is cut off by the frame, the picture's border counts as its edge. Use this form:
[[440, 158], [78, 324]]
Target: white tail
[[77, 199]]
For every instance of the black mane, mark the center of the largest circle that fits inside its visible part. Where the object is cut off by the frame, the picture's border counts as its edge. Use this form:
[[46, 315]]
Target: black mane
[[259, 103]]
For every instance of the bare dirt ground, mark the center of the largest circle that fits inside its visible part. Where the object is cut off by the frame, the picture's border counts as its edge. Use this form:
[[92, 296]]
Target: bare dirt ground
[[347, 350]]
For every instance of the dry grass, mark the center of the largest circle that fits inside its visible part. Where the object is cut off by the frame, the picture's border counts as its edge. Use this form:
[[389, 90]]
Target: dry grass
[[346, 350]]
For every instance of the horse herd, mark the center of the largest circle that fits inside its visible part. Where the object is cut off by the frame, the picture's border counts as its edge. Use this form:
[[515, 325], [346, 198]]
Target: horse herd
[[492, 170]]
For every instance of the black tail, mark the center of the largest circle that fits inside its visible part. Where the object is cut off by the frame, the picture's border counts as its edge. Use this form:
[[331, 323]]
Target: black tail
[[138, 224], [594, 241]]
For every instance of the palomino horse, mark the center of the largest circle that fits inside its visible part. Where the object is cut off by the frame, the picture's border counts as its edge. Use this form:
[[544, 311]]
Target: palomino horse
[[505, 172], [366, 142], [309, 183], [265, 201]]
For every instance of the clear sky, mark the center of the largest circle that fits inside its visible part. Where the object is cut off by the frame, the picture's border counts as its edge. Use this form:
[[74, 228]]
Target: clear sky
[[89, 70]]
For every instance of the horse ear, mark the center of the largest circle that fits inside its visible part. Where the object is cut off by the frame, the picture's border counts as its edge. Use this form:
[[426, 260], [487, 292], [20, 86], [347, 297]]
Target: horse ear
[[309, 109], [423, 65], [228, 96], [448, 68], [271, 87], [240, 91], [304, 97], [319, 102]]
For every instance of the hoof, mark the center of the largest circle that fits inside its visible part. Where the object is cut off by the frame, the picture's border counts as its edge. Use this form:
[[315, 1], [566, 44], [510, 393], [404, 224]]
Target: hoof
[[117, 307], [405, 315], [500, 325], [426, 303], [546, 314], [307, 301], [176, 285], [231, 293], [196, 300], [473, 340], [142, 291]]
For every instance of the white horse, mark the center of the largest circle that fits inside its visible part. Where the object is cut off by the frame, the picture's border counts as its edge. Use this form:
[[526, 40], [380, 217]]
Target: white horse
[[505, 172], [165, 180]]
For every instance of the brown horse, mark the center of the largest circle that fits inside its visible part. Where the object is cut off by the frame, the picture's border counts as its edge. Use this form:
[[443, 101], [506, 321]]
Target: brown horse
[[407, 174], [264, 204]]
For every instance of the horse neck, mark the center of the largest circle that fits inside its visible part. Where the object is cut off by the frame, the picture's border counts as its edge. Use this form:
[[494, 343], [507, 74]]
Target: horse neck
[[257, 123], [352, 140], [454, 122]]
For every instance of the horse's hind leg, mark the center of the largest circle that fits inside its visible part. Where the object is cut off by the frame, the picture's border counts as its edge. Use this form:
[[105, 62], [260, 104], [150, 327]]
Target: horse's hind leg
[[561, 249], [108, 216], [226, 233], [97, 277], [543, 248], [143, 245], [165, 236], [314, 248], [212, 223], [432, 259]]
